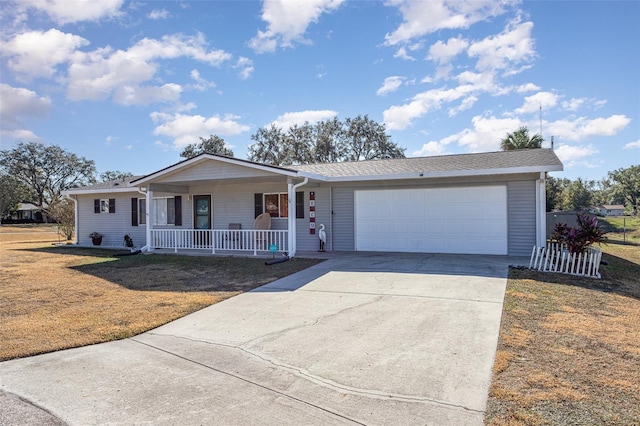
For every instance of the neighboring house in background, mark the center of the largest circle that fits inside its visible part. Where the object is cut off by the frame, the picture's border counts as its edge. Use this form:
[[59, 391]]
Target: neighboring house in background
[[608, 210], [486, 203], [27, 211]]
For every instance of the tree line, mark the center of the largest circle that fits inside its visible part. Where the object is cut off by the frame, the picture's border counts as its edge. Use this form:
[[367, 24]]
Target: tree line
[[621, 186], [328, 141]]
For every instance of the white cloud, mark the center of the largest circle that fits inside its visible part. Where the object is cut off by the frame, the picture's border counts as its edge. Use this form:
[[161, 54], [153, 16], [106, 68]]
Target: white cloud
[[402, 54], [570, 155], [391, 84], [202, 84], [533, 103], [156, 14], [487, 133], [245, 65], [291, 119], [425, 17], [97, 74], [575, 104], [37, 53], [632, 145], [444, 52], [19, 135], [605, 126], [68, 11], [529, 87], [505, 50], [466, 103], [18, 102], [145, 95], [430, 148], [185, 129], [287, 21], [399, 117], [576, 129]]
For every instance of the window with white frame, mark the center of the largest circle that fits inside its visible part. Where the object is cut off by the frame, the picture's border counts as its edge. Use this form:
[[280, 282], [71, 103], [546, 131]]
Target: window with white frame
[[277, 204], [104, 205], [163, 214]]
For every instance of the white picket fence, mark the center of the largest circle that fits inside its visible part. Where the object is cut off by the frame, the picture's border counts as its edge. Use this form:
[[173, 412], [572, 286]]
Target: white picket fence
[[556, 258]]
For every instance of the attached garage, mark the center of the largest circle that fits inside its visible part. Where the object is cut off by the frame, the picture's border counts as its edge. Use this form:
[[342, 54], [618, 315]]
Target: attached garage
[[463, 220]]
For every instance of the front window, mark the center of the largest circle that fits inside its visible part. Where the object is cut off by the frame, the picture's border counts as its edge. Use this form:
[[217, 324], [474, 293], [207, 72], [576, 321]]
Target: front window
[[142, 211], [164, 214], [277, 205]]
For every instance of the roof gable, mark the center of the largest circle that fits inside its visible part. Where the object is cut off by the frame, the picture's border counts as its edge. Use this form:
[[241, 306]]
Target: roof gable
[[202, 164]]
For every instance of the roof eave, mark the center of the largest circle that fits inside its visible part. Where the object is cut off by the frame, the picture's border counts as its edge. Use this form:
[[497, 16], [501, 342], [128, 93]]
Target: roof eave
[[449, 173], [100, 191]]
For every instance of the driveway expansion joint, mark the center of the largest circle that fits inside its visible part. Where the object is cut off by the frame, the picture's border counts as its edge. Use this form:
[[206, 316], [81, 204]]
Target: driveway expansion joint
[[244, 379], [318, 380]]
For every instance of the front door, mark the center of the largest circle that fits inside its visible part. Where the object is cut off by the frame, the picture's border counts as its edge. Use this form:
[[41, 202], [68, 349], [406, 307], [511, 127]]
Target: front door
[[202, 219]]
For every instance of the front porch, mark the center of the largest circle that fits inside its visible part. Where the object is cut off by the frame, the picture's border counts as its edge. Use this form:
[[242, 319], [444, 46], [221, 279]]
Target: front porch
[[220, 240]]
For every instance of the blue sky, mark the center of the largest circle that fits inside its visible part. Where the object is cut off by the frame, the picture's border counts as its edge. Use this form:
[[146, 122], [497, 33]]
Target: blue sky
[[129, 84]]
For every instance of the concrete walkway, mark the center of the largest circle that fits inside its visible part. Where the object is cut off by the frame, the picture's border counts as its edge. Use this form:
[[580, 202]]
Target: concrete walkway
[[358, 339]]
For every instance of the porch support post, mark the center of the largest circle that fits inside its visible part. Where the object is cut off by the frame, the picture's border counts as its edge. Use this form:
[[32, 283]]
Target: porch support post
[[149, 216], [291, 220], [291, 235], [541, 211]]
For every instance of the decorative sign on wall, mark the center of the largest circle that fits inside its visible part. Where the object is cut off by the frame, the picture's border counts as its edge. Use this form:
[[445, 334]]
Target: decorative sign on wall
[[312, 213]]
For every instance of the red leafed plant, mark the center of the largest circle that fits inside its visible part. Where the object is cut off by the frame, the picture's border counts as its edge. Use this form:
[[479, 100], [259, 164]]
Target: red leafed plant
[[577, 240]]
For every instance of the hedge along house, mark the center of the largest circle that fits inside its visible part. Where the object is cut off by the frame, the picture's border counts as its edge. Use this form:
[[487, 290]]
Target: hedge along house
[[486, 203]]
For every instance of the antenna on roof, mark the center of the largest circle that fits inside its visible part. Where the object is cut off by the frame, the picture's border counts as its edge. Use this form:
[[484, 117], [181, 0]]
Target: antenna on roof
[[540, 119], [552, 142]]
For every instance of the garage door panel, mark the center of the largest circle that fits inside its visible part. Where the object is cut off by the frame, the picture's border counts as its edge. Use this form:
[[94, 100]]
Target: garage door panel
[[441, 220]]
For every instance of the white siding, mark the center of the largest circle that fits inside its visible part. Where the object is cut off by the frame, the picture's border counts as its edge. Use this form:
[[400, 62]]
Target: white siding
[[113, 226]]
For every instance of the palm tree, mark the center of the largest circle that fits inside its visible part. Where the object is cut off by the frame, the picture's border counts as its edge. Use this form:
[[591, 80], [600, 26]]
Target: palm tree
[[520, 140]]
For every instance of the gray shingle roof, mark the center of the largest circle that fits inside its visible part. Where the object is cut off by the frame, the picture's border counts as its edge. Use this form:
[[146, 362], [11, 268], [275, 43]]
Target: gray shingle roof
[[526, 158], [112, 184]]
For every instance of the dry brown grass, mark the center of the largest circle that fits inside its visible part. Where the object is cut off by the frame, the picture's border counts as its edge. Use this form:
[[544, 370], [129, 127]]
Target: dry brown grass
[[55, 298], [569, 347]]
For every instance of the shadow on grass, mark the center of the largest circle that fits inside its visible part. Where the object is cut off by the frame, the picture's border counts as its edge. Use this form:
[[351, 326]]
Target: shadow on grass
[[77, 251], [620, 276], [177, 273]]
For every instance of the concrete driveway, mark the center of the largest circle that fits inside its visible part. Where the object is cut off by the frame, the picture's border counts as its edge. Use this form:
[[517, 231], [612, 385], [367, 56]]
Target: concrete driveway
[[358, 339]]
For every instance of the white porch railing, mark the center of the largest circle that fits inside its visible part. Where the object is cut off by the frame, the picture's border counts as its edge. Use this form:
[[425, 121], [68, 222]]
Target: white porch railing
[[556, 258], [218, 239]]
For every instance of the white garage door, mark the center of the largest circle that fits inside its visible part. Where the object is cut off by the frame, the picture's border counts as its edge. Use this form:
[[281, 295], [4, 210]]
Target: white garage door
[[470, 220]]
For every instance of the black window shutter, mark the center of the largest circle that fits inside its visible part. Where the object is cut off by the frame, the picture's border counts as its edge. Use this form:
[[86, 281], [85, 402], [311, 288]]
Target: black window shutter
[[300, 205], [134, 211], [258, 204], [178, 211], [112, 205], [96, 205]]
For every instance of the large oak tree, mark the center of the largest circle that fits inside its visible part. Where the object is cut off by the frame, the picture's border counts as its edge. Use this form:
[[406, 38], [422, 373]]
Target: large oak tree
[[46, 170]]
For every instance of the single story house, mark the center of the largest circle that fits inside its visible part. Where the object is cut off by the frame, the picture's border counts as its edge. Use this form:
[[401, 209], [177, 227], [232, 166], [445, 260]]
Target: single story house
[[608, 210], [485, 203]]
